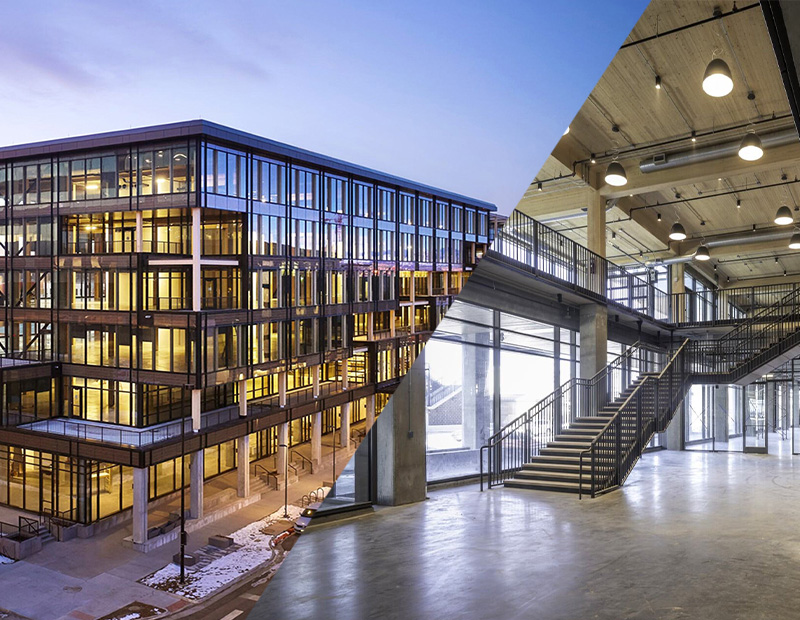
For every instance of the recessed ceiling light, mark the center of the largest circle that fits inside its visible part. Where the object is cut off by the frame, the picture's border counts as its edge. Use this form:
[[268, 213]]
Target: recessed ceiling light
[[717, 80]]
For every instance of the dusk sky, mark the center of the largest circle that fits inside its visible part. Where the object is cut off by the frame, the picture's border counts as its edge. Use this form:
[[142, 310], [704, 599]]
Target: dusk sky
[[464, 95]]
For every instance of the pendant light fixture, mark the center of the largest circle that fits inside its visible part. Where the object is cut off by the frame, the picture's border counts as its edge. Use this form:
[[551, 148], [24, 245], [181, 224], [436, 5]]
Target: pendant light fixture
[[794, 243], [702, 253], [750, 148], [784, 216], [717, 80], [615, 174], [677, 233]]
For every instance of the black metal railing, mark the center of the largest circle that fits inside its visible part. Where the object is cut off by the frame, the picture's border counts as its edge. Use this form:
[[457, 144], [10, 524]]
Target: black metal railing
[[751, 344], [648, 409], [534, 247], [726, 306], [518, 441]]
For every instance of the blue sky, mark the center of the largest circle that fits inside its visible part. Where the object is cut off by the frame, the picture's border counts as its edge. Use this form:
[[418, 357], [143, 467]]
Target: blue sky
[[465, 95]]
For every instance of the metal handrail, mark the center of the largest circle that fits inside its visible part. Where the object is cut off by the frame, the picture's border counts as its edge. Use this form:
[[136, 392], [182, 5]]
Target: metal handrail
[[267, 472], [304, 459]]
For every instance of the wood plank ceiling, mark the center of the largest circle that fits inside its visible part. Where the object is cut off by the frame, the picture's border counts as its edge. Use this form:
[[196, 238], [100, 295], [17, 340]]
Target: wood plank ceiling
[[650, 121]]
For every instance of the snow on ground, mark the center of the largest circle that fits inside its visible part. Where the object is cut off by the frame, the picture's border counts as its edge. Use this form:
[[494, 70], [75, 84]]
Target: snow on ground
[[5, 560], [255, 550]]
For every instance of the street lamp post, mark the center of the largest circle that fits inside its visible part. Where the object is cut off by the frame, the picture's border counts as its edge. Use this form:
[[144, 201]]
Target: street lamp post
[[285, 447], [183, 499]]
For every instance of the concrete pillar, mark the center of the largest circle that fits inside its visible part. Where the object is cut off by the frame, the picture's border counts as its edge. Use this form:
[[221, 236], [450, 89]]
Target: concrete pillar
[[282, 457], [197, 396], [197, 251], [196, 480], [242, 398], [392, 327], [282, 389], [674, 437], [720, 409], [316, 439], [476, 400], [315, 380], [400, 433], [344, 437], [370, 326], [345, 374], [243, 466], [141, 495], [370, 411], [594, 339], [596, 223], [139, 232], [412, 323]]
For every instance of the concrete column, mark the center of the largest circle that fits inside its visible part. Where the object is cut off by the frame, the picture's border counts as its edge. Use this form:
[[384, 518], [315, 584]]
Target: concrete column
[[392, 327], [197, 251], [476, 401], [445, 283], [412, 293], [370, 411], [243, 466], [283, 452], [141, 495], [594, 339], [596, 223], [315, 380], [400, 433], [344, 438], [412, 322], [242, 398], [345, 374], [316, 439], [139, 232], [370, 326], [196, 476], [721, 408], [197, 396], [282, 389], [675, 435]]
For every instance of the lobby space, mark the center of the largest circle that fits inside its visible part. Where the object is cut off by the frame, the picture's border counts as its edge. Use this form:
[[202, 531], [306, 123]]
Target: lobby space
[[690, 535]]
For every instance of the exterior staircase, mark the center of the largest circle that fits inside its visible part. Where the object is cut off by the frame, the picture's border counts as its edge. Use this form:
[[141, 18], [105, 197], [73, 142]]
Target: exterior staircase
[[557, 467]]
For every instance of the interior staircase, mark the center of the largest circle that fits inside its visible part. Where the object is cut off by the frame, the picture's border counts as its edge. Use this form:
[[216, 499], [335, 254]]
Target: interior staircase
[[557, 466]]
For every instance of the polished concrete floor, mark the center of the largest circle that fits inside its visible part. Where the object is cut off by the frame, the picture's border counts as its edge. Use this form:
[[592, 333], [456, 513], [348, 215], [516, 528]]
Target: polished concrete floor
[[691, 535]]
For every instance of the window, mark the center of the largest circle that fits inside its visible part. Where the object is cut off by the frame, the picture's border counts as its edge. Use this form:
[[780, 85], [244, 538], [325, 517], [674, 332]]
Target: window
[[267, 235], [386, 245], [269, 181], [305, 188], [441, 215], [362, 243], [457, 223], [406, 247], [425, 212], [407, 209], [362, 199], [335, 195], [441, 250], [386, 204]]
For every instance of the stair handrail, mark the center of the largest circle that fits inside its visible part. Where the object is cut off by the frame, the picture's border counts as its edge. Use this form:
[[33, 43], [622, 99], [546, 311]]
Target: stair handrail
[[615, 419], [304, 459], [531, 414]]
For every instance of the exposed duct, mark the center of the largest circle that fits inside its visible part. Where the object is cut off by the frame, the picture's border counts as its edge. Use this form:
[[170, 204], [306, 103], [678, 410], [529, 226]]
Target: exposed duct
[[574, 216], [729, 240], [664, 161]]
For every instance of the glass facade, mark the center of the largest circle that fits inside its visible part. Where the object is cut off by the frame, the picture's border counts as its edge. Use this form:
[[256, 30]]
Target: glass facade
[[145, 272]]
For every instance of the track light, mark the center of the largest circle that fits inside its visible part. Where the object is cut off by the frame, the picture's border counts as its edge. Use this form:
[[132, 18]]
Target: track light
[[615, 174], [658, 216], [593, 159], [658, 82], [794, 243], [539, 186], [717, 80], [694, 136], [750, 149], [784, 216], [677, 233], [702, 253], [738, 204]]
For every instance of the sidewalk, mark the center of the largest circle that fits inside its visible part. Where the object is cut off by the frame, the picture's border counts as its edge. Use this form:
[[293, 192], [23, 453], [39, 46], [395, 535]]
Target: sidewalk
[[87, 579]]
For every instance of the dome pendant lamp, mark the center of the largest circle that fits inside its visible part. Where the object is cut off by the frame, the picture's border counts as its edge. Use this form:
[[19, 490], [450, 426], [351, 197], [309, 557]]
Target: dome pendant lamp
[[677, 233], [717, 80], [615, 174], [702, 253], [750, 149], [794, 244], [784, 216]]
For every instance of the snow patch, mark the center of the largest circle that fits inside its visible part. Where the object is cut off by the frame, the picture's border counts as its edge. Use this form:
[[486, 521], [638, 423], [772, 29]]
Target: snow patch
[[5, 560]]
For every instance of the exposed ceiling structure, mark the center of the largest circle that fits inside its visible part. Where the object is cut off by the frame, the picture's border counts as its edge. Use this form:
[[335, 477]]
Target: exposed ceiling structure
[[679, 146]]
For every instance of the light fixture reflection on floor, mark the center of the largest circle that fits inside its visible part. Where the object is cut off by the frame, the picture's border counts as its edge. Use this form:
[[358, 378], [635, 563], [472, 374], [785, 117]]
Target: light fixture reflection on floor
[[677, 233], [615, 174], [702, 253], [750, 148], [784, 216], [717, 80]]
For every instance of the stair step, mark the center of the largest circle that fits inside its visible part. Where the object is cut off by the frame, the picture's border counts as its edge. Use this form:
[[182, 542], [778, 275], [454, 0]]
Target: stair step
[[542, 485]]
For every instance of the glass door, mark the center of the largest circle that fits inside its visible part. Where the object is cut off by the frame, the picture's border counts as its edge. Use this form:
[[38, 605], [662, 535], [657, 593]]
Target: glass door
[[755, 420]]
